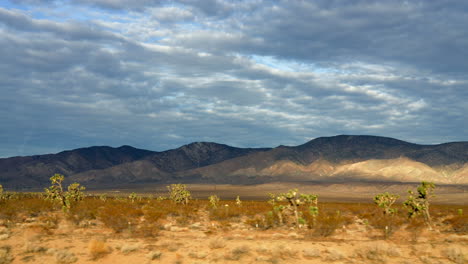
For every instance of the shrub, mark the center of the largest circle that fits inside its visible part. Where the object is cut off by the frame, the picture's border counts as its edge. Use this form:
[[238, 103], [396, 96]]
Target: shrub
[[456, 254], [65, 257], [86, 209], [150, 225], [1, 193], [388, 224], [129, 248], [327, 223], [98, 248], [5, 255], [225, 212], [237, 253], [459, 223], [119, 215], [217, 243], [155, 254], [24, 206]]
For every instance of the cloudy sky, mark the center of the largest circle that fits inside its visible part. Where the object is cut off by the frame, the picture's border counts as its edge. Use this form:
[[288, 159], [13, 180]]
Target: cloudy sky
[[160, 74]]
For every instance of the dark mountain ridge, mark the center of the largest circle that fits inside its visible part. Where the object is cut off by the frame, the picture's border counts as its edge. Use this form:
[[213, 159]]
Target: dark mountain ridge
[[345, 147], [35, 170], [326, 158]]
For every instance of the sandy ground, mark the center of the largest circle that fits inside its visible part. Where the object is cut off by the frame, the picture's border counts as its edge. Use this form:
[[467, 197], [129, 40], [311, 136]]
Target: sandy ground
[[207, 242]]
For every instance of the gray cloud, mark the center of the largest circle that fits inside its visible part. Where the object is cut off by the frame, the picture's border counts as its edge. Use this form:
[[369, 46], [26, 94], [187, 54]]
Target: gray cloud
[[157, 75]]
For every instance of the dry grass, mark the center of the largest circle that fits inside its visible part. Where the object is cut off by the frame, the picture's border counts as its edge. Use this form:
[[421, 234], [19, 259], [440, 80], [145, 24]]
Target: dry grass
[[311, 253], [342, 233], [145, 217], [327, 223], [458, 224], [85, 210], [237, 253], [334, 255], [155, 254], [120, 215], [456, 255], [217, 243], [98, 249], [65, 257], [129, 248], [5, 255], [33, 248], [22, 207], [377, 252]]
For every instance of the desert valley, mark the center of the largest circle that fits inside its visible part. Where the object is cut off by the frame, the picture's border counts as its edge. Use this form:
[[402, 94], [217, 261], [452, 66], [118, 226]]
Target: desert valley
[[313, 203]]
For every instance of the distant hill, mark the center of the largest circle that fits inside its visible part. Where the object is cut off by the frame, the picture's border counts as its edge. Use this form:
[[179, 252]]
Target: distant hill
[[35, 171], [327, 159]]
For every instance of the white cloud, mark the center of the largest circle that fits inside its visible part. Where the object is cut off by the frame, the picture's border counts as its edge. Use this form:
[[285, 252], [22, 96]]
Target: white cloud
[[250, 73]]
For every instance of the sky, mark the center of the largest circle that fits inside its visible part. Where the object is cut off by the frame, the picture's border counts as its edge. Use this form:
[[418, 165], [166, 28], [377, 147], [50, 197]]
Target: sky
[[161, 74]]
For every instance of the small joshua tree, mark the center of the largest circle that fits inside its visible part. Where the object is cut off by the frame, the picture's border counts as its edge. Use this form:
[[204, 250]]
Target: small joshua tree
[[55, 192], [214, 201], [295, 200], [103, 197], [277, 208], [238, 201], [419, 204], [133, 196], [385, 201], [1, 192], [179, 193], [74, 193]]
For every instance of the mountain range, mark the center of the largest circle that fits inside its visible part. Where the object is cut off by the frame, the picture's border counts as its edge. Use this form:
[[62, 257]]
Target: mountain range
[[342, 158]]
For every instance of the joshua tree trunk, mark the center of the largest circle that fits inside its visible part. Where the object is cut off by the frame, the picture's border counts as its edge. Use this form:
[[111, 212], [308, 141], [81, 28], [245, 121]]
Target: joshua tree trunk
[[427, 215]]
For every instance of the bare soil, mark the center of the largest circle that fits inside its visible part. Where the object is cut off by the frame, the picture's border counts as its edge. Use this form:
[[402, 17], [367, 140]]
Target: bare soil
[[207, 241]]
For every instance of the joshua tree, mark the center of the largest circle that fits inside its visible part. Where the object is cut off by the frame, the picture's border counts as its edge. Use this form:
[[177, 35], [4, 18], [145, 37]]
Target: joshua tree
[[55, 192], [133, 196], [385, 201], [179, 193], [295, 200], [238, 201], [419, 203], [214, 201]]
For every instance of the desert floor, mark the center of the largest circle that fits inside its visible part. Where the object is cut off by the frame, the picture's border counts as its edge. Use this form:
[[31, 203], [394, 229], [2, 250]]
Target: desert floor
[[205, 241], [330, 192]]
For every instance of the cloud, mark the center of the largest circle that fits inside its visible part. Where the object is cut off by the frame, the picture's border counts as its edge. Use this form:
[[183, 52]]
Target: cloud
[[158, 74]]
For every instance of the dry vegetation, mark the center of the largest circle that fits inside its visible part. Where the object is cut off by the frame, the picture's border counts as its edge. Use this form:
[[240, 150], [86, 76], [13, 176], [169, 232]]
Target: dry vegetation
[[158, 230]]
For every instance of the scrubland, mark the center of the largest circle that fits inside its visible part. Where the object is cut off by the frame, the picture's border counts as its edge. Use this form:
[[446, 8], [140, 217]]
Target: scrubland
[[136, 229]]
